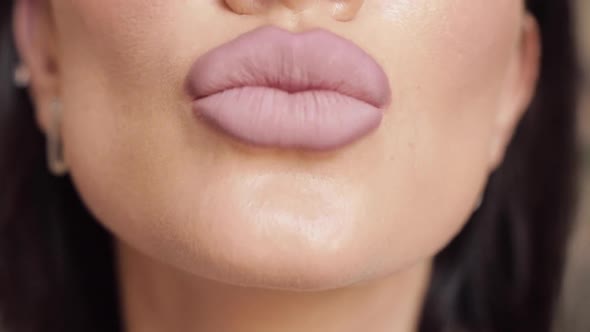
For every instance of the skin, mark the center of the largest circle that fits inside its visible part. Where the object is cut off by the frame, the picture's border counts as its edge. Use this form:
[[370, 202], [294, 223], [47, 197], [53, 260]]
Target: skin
[[216, 235]]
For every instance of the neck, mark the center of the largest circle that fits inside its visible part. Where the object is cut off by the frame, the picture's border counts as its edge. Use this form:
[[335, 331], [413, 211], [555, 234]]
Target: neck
[[156, 297]]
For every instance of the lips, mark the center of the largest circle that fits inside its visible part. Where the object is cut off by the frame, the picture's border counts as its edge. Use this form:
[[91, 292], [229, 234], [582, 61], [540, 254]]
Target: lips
[[271, 87]]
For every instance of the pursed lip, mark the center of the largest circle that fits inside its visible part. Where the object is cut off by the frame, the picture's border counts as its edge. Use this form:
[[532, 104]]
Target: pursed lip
[[293, 62], [271, 87]]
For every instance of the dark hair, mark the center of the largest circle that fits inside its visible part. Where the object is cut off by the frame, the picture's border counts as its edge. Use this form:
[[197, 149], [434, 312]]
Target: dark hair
[[501, 273]]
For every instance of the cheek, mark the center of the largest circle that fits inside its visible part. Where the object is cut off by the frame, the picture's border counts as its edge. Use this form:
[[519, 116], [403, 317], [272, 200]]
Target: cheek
[[112, 36], [447, 62], [448, 65], [449, 46]]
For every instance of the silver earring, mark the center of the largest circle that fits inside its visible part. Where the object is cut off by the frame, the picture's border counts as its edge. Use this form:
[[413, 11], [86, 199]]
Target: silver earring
[[22, 76], [55, 158]]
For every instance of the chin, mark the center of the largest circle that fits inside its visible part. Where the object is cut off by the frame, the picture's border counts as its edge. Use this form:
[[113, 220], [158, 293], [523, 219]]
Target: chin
[[306, 244], [289, 272], [264, 229]]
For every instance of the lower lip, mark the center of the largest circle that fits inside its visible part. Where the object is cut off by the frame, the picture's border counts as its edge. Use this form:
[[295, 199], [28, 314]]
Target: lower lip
[[265, 116]]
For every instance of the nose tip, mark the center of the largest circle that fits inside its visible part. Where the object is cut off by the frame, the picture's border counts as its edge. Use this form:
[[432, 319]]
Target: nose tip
[[339, 9]]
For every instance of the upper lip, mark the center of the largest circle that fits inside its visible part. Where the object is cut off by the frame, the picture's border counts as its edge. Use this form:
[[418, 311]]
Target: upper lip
[[272, 57]]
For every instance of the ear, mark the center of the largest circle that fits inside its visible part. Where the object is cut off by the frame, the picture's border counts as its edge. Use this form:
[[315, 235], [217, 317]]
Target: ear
[[35, 42], [519, 89]]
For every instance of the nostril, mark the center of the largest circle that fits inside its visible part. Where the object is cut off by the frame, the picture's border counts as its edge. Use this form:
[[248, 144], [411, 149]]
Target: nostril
[[342, 10], [245, 7], [299, 5]]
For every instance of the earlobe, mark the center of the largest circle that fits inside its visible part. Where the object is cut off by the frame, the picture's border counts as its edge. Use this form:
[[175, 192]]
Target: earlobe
[[33, 36], [519, 89]]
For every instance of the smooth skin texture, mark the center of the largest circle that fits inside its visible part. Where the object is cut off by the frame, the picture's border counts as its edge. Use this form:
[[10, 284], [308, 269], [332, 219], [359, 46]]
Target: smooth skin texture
[[216, 235]]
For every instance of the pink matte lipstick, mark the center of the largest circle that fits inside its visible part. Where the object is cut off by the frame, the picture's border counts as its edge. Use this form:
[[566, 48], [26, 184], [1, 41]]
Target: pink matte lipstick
[[271, 87]]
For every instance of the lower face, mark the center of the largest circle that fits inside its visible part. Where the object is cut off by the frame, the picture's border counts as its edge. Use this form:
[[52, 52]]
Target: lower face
[[183, 193]]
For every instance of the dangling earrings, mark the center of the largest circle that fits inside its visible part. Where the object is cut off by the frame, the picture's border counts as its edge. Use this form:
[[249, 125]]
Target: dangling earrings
[[22, 76], [55, 158], [54, 148]]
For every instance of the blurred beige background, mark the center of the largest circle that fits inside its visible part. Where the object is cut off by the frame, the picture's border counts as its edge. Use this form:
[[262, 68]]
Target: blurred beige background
[[574, 311]]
